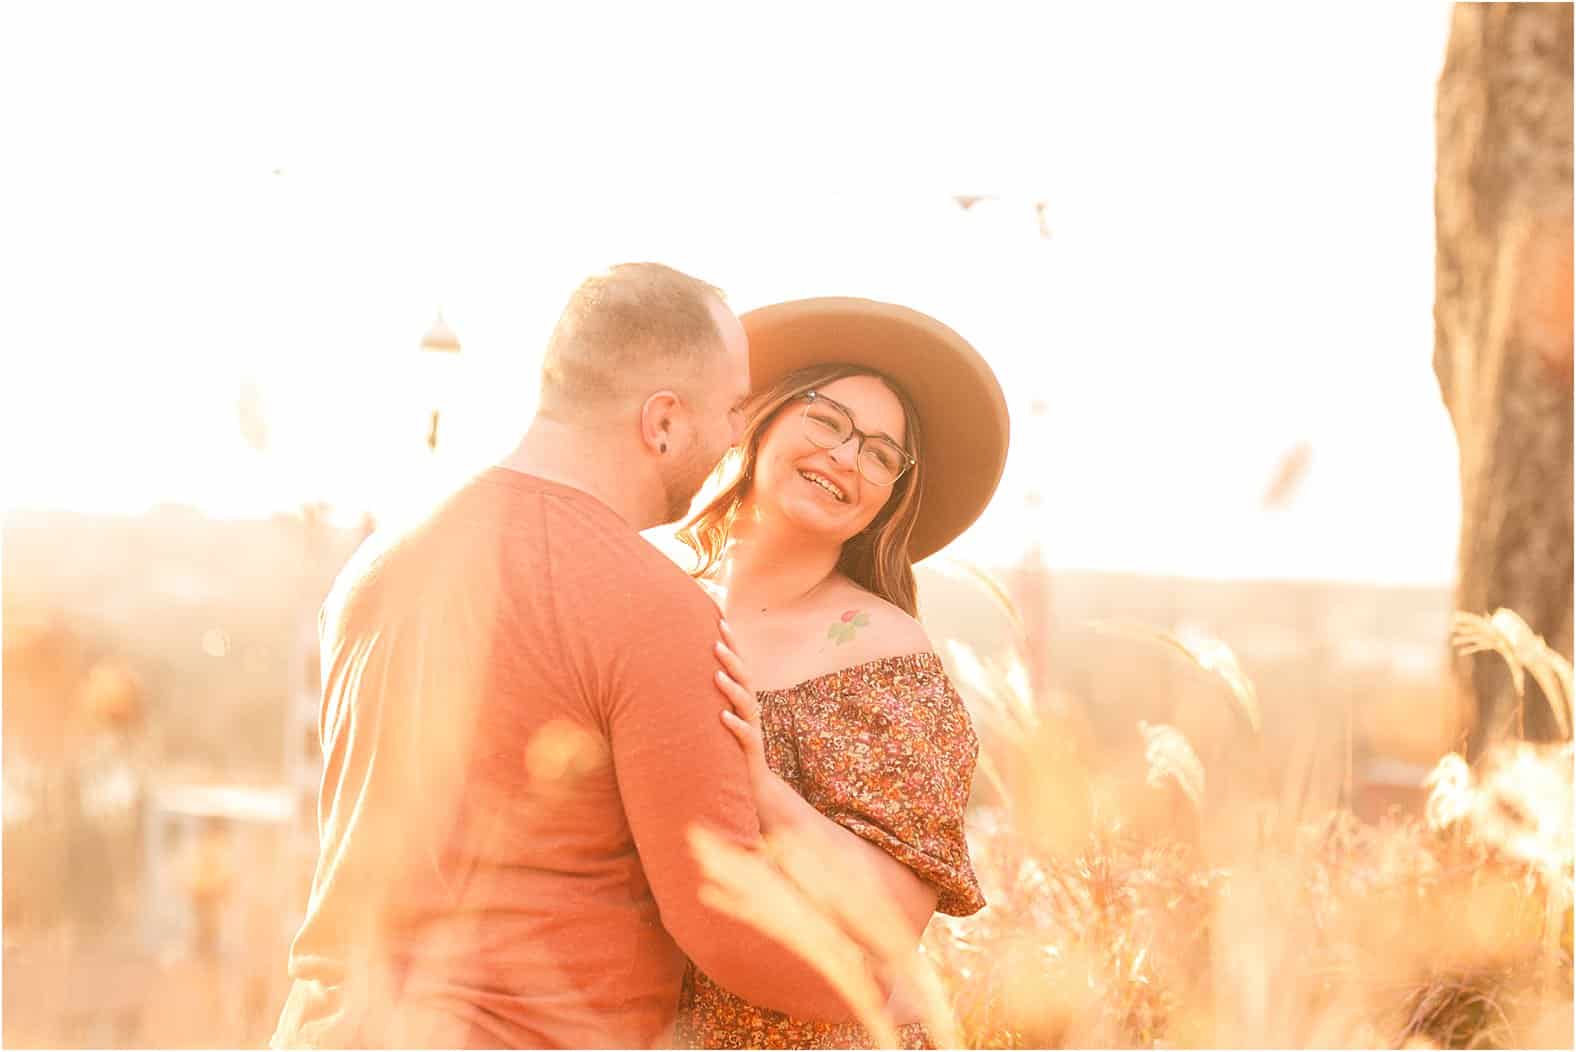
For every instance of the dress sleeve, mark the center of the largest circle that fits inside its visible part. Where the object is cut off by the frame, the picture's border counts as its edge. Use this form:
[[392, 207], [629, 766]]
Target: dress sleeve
[[887, 751]]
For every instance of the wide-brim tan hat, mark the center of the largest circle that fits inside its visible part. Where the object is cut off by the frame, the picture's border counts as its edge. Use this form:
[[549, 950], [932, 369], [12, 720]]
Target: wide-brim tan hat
[[959, 401]]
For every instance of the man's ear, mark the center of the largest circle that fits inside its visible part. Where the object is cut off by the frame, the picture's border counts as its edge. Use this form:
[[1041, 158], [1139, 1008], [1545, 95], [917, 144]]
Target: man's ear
[[661, 420]]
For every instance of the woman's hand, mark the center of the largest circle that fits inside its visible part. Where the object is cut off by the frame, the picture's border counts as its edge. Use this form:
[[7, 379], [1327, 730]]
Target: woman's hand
[[907, 1004], [744, 720]]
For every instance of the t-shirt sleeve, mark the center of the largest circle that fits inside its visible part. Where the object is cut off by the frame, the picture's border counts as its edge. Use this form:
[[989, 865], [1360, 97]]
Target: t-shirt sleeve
[[890, 757], [678, 767]]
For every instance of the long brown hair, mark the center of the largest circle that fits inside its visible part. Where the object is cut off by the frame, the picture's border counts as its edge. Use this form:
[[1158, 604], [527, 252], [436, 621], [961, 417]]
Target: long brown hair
[[876, 558]]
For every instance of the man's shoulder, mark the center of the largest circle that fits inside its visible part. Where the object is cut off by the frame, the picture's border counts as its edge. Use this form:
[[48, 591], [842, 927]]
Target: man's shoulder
[[630, 572]]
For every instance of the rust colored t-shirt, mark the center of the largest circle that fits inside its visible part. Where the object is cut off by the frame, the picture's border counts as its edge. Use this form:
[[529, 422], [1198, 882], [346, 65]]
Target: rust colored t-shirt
[[519, 725]]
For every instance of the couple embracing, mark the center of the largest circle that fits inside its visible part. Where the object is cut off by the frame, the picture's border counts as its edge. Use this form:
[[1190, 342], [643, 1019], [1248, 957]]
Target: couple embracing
[[527, 708]]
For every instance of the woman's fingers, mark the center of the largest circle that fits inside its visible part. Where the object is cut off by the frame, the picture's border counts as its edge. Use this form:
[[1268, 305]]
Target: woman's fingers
[[743, 701], [749, 737], [733, 680], [737, 668], [732, 663]]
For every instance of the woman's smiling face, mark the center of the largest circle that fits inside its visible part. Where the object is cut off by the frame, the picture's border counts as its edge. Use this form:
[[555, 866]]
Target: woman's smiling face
[[822, 490]]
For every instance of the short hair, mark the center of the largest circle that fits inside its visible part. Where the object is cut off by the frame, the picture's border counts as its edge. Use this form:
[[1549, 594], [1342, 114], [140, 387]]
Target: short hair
[[624, 324]]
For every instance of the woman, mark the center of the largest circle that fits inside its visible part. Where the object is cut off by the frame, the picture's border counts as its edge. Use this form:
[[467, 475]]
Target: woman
[[876, 436]]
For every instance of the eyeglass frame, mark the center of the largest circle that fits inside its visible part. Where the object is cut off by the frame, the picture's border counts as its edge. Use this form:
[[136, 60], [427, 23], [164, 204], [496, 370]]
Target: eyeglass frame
[[909, 460]]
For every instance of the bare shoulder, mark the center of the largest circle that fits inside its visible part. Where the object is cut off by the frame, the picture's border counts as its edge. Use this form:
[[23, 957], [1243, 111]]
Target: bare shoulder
[[865, 627]]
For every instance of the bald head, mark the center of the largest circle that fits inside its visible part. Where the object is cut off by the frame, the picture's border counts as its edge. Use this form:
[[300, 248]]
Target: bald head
[[629, 330]]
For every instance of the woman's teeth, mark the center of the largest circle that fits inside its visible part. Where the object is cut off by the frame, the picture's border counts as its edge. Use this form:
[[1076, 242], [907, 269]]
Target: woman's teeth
[[826, 484]]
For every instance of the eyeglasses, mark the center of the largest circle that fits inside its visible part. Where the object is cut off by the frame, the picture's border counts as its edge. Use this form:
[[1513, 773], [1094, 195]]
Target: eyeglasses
[[829, 424]]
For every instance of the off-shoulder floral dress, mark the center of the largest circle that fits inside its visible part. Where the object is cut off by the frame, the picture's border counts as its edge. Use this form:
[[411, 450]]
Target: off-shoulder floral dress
[[886, 750]]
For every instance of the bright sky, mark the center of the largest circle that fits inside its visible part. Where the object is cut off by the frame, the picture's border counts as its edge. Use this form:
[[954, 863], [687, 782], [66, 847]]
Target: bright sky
[[1239, 198]]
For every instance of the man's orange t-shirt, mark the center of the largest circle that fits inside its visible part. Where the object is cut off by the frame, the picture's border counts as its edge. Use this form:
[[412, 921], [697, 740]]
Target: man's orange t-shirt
[[520, 725]]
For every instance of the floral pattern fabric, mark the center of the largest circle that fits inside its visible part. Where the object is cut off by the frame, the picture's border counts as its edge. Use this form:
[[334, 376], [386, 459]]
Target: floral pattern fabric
[[886, 750]]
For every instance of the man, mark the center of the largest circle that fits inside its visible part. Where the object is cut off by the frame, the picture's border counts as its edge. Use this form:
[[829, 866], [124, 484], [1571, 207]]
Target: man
[[520, 722]]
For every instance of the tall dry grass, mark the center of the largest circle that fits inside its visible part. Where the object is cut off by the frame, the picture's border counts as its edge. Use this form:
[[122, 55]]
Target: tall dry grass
[[1164, 890], [1140, 897]]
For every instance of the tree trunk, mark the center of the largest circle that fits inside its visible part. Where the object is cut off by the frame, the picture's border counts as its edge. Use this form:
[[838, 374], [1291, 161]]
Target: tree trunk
[[1502, 322]]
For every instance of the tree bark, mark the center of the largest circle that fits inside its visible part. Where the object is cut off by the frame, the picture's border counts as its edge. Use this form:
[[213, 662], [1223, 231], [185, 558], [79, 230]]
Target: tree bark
[[1502, 322]]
